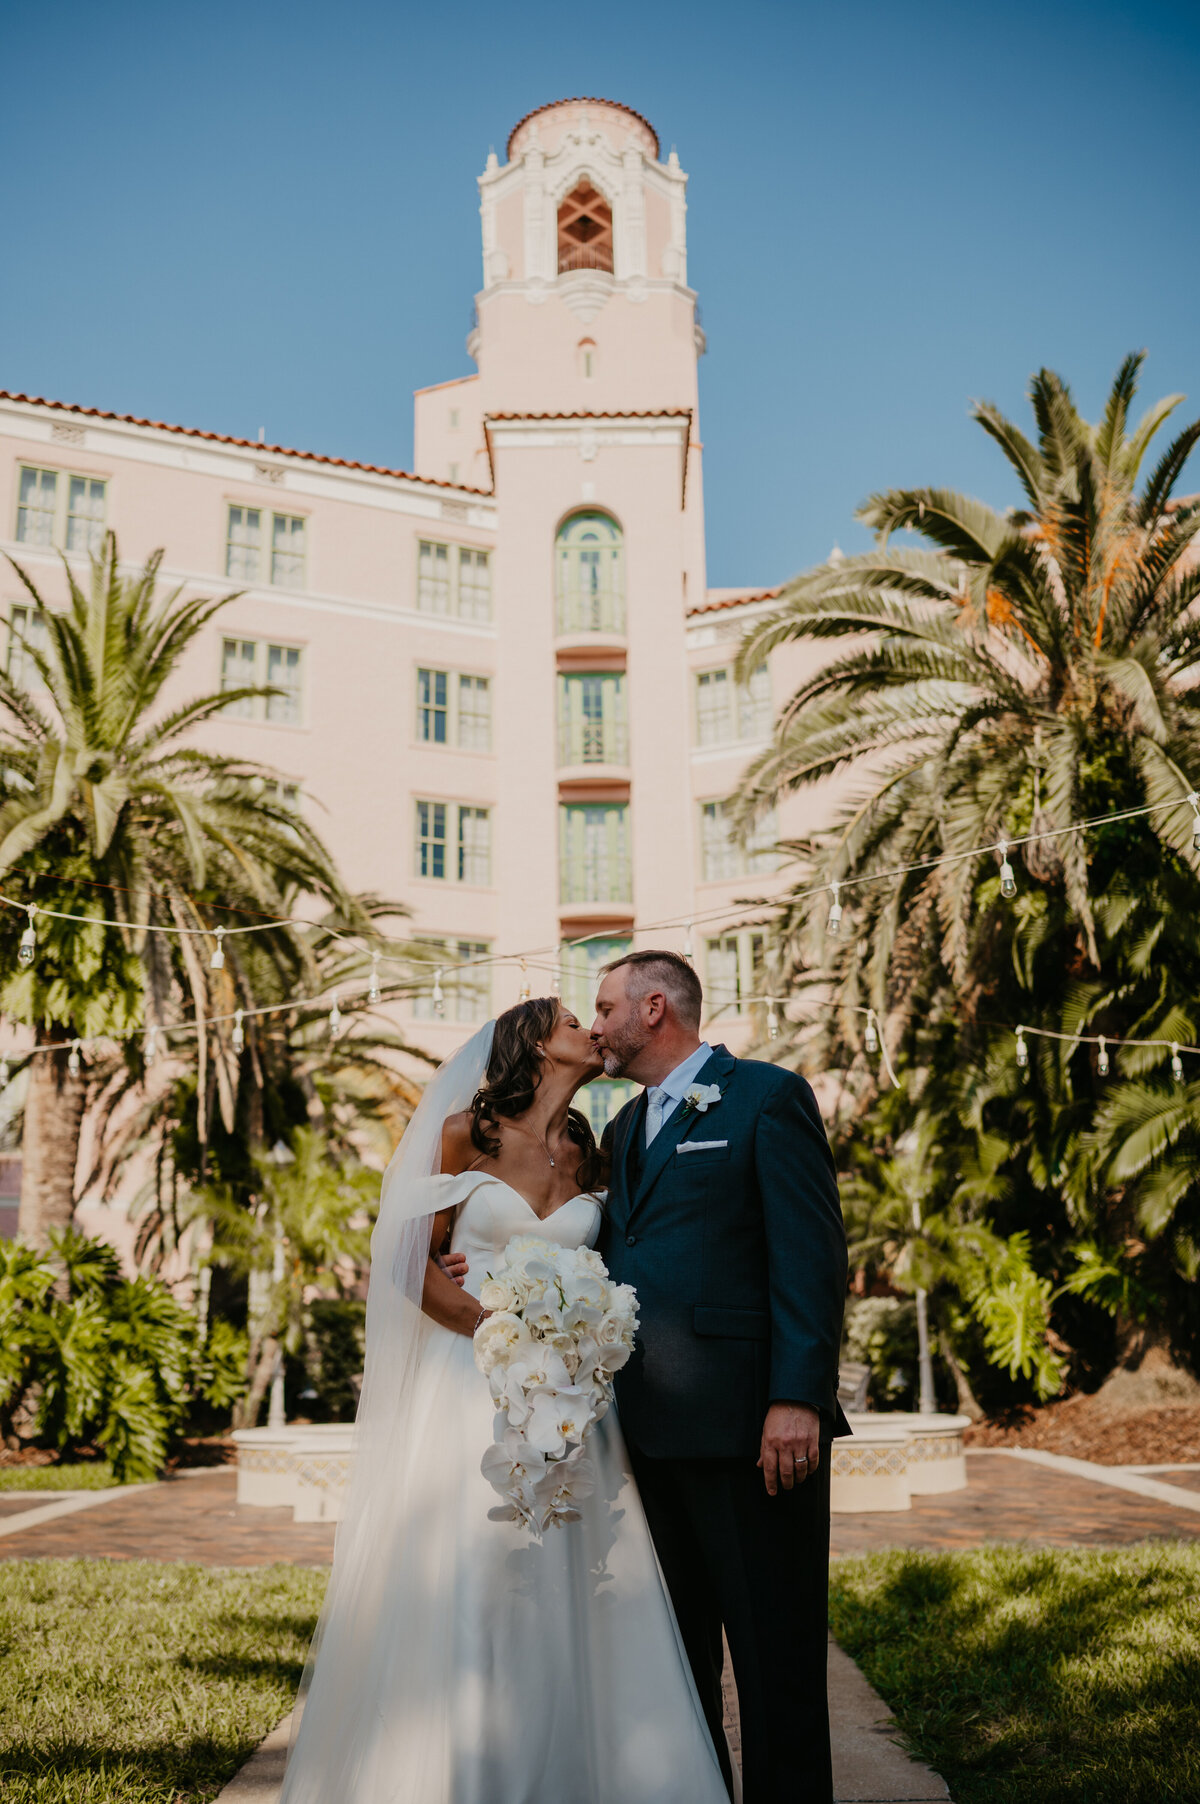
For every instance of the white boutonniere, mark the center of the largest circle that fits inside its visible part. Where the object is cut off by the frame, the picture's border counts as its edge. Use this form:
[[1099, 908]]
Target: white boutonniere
[[700, 1098]]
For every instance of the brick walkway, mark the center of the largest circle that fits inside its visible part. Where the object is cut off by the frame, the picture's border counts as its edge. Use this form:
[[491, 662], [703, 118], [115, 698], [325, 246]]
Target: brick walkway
[[195, 1517]]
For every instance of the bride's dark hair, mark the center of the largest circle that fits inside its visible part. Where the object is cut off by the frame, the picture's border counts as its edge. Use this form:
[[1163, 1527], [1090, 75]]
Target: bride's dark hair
[[511, 1081]]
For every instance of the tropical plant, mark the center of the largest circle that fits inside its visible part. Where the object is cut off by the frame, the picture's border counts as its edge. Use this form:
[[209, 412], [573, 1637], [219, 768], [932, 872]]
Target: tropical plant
[[1010, 675], [306, 1230], [109, 808], [93, 1358]]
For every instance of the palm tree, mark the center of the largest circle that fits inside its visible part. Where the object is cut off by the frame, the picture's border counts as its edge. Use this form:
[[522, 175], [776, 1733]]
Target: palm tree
[[1013, 673], [1018, 671], [109, 808]]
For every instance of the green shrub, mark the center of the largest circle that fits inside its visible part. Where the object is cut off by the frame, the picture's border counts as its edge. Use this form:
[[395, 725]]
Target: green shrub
[[88, 1356]]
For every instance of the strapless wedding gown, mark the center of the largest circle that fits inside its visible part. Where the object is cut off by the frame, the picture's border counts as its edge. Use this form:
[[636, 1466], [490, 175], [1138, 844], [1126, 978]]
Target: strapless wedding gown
[[532, 1671]]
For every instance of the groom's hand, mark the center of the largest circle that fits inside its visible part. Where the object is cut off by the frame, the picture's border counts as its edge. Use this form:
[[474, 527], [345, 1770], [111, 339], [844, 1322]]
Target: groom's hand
[[455, 1266], [791, 1447]]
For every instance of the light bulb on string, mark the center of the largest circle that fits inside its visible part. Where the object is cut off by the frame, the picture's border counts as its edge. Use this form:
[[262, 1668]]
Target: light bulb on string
[[556, 976], [73, 1060], [834, 924], [217, 961], [373, 991], [1022, 1050], [1194, 799], [1102, 1059], [238, 1036], [439, 1000], [525, 990], [150, 1048], [772, 1022], [335, 1019], [871, 1033], [1176, 1064], [1008, 882], [28, 946], [689, 951]]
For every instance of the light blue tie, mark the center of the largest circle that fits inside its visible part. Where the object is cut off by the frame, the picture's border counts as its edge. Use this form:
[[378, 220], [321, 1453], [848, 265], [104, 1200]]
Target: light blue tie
[[656, 1102]]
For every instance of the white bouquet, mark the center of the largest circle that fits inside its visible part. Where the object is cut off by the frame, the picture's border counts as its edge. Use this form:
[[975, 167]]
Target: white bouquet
[[558, 1332]]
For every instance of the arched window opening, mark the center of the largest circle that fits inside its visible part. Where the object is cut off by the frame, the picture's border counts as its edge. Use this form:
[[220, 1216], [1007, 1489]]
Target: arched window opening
[[585, 231], [587, 358], [590, 575]]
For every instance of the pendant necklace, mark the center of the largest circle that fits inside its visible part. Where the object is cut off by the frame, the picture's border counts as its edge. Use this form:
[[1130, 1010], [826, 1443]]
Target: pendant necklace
[[536, 1136]]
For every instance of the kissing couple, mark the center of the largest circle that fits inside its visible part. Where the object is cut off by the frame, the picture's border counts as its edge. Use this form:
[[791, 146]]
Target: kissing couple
[[463, 1659]]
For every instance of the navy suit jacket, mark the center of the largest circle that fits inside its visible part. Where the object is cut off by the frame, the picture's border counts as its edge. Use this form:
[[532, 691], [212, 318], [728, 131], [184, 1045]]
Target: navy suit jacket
[[731, 1232]]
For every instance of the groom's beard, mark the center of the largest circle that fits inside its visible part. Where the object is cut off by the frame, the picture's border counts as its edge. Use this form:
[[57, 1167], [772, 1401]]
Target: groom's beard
[[621, 1046]]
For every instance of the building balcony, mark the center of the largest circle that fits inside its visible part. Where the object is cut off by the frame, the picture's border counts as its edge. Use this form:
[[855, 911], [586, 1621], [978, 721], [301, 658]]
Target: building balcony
[[597, 616], [593, 746], [580, 918]]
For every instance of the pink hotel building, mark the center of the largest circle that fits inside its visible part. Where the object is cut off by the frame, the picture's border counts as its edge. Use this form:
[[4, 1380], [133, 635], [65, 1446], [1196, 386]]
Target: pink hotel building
[[508, 698]]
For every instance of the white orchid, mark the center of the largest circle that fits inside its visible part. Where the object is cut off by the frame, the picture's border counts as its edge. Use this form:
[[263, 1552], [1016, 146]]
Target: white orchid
[[560, 1331], [700, 1098]]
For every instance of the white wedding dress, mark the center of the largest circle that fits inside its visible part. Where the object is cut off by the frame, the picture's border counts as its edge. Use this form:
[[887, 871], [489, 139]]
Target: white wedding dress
[[516, 1670]]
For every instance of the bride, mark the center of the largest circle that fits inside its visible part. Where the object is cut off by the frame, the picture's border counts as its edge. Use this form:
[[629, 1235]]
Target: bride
[[460, 1660]]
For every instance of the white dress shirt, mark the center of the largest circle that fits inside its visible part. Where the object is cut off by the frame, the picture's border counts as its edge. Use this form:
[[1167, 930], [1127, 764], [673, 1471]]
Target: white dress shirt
[[662, 1099]]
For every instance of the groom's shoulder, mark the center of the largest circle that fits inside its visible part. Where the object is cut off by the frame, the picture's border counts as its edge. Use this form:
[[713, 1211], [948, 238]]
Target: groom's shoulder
[[765, 1081]]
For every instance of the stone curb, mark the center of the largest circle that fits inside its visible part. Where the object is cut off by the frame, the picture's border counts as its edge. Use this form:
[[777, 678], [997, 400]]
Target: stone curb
[[1120, 1477]]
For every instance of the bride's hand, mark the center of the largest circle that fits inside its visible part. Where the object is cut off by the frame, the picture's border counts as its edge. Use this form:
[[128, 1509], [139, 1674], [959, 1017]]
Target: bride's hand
[[455, 1266]]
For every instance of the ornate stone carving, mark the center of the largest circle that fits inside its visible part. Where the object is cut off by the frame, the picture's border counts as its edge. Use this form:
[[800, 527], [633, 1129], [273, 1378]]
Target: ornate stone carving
[[65, 434], [453, 510], [269, 473]]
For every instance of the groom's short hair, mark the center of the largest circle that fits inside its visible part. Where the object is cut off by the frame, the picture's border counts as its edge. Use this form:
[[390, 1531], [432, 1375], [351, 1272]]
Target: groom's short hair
[[665, 971]]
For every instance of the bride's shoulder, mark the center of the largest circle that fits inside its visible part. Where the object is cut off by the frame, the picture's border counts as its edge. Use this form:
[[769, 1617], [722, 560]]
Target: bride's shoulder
[[458, 1149]]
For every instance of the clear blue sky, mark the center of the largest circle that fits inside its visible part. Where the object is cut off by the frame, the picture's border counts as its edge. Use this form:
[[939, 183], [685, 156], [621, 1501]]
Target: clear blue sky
[[243, 215]]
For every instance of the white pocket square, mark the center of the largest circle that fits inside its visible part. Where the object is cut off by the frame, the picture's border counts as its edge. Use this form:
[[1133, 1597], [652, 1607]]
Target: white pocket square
[[699, 1146]]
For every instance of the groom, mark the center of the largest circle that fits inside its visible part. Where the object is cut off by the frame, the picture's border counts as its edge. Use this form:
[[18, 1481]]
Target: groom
[[723, 1212]]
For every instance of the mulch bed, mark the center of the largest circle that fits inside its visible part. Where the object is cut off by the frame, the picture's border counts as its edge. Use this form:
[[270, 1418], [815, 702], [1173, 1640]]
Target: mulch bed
[[1088, 1428]]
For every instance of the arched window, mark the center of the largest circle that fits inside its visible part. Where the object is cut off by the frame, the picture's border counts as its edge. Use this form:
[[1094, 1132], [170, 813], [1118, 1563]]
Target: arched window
[[590, 575], [585, 230]]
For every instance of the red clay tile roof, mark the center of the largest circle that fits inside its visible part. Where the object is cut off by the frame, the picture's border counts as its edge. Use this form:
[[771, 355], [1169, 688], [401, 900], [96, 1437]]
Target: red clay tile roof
[[583, 100], [627, 413], [735, 601], [224, 438]]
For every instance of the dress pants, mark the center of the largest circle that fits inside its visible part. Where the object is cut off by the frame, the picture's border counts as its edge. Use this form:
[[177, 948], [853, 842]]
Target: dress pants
[[758, 1566]]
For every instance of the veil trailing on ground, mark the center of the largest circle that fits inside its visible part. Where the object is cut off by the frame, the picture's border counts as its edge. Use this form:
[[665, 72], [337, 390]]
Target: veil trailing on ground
[[360, 1653]]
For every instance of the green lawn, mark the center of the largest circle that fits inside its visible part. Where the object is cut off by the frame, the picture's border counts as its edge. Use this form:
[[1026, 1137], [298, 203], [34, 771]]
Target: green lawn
[[140, 1682], [1036, 1676], [95, 1475]]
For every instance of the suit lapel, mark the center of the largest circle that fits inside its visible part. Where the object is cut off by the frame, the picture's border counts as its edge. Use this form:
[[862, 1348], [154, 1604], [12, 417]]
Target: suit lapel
[[677, 1126], [623, 1152]]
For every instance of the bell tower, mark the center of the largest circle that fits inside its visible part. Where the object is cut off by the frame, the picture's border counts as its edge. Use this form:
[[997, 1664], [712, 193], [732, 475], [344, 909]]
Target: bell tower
[[585, 303]]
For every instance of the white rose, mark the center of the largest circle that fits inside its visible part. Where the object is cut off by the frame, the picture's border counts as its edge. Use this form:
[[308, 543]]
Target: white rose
[[498, 1294], [591, 1261], [497, 1337]]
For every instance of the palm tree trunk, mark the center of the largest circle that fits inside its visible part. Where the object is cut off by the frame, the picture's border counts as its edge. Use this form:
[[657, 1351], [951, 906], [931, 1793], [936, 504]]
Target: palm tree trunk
[[54, 1108], [262, 1367]]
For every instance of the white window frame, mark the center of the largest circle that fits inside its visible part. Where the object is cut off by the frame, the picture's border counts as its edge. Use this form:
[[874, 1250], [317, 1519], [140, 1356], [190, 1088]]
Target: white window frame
[[459, 684], [467, 993], [455, 816], [743, 997], [470, 601], [746, 714], [26, 633], [724, 859], [61, 514], [259, 571], [265, 710]]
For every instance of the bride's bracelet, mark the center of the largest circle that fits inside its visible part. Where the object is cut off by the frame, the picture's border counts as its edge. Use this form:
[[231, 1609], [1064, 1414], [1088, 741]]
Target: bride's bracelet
[[479, 1321]]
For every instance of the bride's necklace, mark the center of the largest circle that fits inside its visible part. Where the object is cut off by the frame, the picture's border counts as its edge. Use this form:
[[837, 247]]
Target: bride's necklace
[[534, 1135]]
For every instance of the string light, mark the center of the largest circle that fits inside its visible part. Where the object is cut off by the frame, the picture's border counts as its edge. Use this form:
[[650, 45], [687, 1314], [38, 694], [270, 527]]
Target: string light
[[335, 1018], [1022, 1050], [871, 1033], [1008, 882], [772, 1022], [150, 1049], [238, 1037], [373, 992], [439, 1000], [834, 924], [28, 946], [1102, 1059], [556, 975], [1176, 1064], [217, 961], [1194, 799], [73, 1060], [525, 991], [689, 951]]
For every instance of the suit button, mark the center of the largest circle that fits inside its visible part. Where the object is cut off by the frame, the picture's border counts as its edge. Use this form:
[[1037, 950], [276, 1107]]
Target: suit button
[[631, 1240]]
